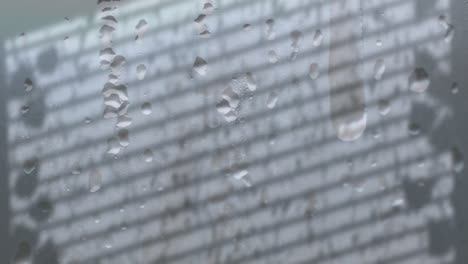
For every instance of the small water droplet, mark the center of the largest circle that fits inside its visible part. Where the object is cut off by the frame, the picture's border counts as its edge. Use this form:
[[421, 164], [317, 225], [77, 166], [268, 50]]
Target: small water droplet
[[272, 99], [123, 121], [113, 146], [208, 8], [141, 71], [123, 137], [314, 71], [148, 155], [419, 80], [94, 181], [414, 129], [76, 168], [251, 82], [87, 120], [200, 66], [458, 163], [146, 108], [247, 27], [272, 57], [318, 37], [379, 69], [30, 165], [384, 107], [24, 109], [378, 43], [271, 34], [28, 85], [455, 88]]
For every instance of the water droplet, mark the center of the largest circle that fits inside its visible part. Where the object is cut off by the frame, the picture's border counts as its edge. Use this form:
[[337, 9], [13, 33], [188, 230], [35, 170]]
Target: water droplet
[[205, 34], [200, 66], [117, 65], [148, 155], [75, 168], [108, 241], [455, 88], [107, 54], [314, 71], [146, 108], [113, 146], [141, 27], [384, 107], [378, 43], [458, 163], [123, 137], [272, 99], [232, 97], [113, 101], [230, 117], [419, 80], [24, 109], [109, 20], [106, 32], [94, 181], [208, 8], [271, 34], [30, 165], [296, 37], [379, 69], [414, 129], [247, 27], [141, 71], [109, 112], [28, 85], [87, 120], [272, 57], [251, 82], [123, 121], [398, 202], [223, 107], [318, 37]]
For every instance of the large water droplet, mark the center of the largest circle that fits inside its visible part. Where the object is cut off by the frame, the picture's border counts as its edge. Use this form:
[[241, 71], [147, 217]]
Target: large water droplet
[[419, 80]]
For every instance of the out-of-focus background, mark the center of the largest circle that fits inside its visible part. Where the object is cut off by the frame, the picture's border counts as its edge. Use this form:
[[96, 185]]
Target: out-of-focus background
[[205, 131]]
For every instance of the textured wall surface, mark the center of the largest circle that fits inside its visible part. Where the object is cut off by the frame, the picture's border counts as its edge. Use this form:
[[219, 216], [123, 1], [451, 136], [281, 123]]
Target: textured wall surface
[[263, 131]]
